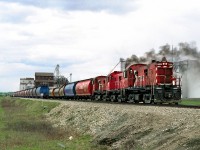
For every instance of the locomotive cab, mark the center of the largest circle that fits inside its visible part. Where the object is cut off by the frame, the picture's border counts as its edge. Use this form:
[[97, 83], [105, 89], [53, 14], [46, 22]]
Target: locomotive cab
[[134, 77]]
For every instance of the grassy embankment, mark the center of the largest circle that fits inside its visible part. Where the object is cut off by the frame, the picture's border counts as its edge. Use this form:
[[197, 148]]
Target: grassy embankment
[[23, 127], [190, 102]]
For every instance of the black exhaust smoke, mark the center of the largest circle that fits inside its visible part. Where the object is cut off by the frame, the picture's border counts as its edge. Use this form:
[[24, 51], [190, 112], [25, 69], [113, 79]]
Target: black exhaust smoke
[[183, 51]]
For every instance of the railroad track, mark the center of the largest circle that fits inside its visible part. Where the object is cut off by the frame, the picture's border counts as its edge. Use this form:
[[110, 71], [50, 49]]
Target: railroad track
[[124, 103], [140, 104], [171, 105]]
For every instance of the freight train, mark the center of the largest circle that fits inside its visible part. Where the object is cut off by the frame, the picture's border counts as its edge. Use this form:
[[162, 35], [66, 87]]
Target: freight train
[[147, 83]]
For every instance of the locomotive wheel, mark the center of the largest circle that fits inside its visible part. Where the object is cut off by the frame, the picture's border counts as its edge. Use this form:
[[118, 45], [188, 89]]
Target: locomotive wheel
[[96, 98], [146, 99], [104, 98], [119, 98], [113, 98], [131, 98]]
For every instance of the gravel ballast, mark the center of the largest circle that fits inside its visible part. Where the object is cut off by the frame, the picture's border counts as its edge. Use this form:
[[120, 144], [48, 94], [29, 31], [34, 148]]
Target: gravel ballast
[[131, 126]]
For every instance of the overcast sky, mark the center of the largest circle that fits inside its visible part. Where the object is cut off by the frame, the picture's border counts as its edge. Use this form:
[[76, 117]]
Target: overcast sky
[[87, 37]]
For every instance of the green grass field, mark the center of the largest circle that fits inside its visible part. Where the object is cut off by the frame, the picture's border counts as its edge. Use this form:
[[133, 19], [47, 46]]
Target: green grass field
[[190, 102], [23, 127]]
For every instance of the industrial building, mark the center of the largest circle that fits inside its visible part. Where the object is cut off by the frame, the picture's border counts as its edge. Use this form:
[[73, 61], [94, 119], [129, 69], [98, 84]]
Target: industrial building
[[44, 78], [26, 83]]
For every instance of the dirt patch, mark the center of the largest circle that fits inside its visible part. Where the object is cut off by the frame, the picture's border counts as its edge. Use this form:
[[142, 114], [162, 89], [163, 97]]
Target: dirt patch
[[131, 127]]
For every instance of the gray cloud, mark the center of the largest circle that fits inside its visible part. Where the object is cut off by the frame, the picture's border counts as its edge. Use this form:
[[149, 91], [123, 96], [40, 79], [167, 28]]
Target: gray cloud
[[113, 6]]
